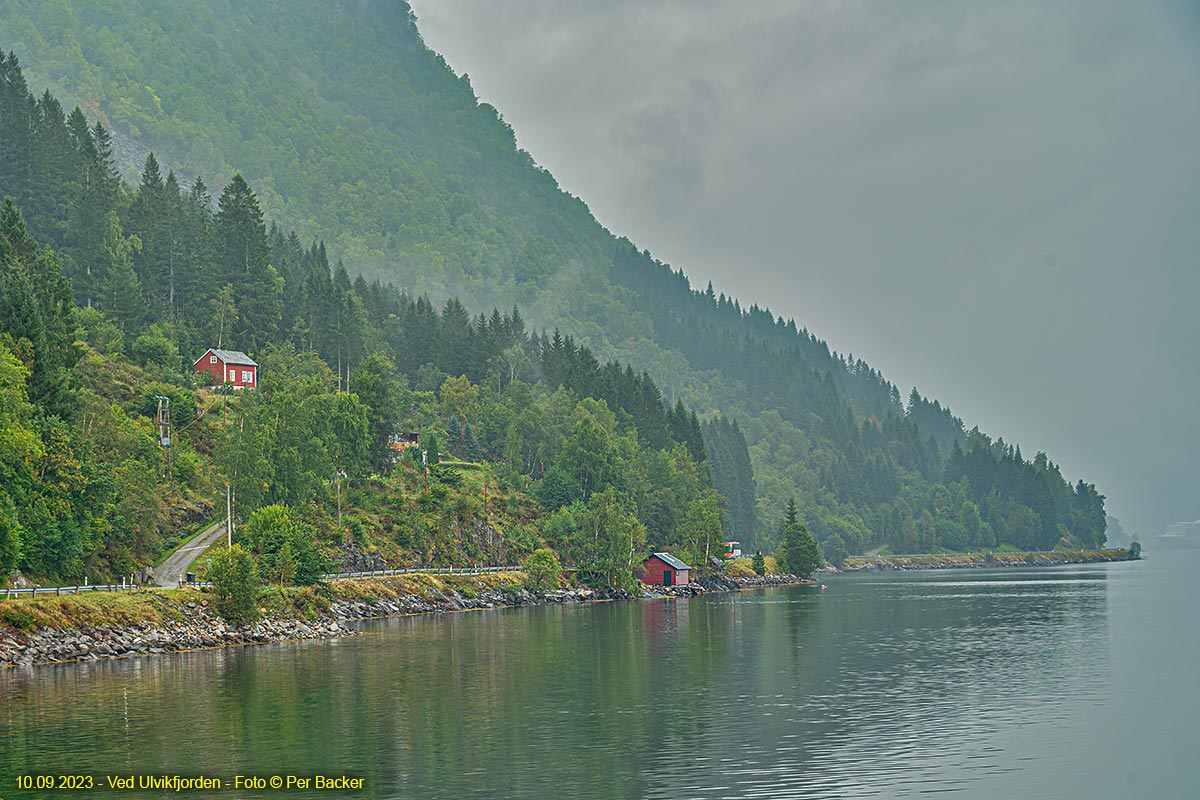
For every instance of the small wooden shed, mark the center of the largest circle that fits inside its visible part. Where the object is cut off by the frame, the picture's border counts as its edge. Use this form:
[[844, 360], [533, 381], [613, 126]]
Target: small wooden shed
[[664, 569]]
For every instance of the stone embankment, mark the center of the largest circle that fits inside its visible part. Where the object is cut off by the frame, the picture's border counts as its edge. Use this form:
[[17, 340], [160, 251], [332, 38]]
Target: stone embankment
[[198, 627], [769, 580], [722, 583], [508, 597]]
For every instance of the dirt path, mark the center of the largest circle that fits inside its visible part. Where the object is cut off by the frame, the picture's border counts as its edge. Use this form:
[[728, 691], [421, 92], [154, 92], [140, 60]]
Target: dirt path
[[171, 571]]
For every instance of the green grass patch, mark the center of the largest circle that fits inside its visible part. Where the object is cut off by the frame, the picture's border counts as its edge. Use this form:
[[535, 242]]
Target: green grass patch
[[16, 615], [118, 609], [741, 567], [309, 602], [93, 609]]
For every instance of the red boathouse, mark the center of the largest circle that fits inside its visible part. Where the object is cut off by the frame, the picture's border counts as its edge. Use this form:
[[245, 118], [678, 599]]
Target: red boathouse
[[664, 569], [231, 366]]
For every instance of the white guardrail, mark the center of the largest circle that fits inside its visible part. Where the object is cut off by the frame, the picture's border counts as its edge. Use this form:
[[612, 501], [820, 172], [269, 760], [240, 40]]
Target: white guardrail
[[9, 594], [341, 576], [14, 594]]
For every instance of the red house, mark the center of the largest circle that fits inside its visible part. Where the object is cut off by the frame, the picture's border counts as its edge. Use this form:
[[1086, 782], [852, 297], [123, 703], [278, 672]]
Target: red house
[[664, 569], [229, 365]]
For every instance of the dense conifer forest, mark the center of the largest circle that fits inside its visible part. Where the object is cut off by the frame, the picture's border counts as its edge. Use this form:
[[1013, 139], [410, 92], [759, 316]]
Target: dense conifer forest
[[629, 403]]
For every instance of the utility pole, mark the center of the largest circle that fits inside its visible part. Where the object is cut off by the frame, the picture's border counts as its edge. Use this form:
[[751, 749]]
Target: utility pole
[[228, 517], [162, 421], [337, 477]]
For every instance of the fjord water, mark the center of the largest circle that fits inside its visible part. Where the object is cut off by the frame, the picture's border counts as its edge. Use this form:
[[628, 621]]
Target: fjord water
[[1068, 682]]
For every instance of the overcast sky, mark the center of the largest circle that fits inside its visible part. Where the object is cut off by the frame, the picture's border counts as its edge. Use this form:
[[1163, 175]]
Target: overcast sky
[[996, 202]]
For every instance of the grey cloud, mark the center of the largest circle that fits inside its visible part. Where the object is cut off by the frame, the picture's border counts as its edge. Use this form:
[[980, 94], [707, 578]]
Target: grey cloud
[[893, 174]]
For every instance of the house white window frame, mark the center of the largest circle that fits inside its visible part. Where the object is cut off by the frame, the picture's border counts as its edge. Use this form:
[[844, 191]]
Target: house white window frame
[[232, 374], [212, 359], [247, 376]]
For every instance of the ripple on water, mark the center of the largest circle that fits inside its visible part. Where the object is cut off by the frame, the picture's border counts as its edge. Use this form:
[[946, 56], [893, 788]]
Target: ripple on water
[[882, 686]]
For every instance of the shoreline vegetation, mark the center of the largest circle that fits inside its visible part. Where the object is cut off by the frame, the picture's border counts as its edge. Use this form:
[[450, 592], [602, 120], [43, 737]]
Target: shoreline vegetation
[[583, 399], [103, 625], [985, 560]]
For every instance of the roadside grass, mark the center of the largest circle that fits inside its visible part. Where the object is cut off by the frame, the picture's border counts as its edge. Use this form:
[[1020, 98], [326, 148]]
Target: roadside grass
[[92, 609], [113, 609], [742, 567], [310, 602]]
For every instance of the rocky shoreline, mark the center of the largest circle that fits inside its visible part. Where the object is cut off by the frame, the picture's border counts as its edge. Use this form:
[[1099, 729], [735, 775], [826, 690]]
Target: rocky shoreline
[[409, 604], [722, 583], [984, 560], [199, 627]]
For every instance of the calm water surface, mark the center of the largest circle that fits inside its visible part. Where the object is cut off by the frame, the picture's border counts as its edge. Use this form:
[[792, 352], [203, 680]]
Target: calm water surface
[[1070, 682]]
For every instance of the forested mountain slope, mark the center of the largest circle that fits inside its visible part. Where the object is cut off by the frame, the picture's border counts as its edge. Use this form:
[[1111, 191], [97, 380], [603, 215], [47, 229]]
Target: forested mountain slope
[[350, 130], [545, 445]]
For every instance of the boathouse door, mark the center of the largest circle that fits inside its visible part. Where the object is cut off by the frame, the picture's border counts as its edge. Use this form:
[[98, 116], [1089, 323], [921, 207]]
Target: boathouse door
[[668, 577]]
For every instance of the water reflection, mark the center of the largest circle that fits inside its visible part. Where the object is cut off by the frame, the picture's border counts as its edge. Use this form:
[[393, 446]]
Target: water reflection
[[889, 685]]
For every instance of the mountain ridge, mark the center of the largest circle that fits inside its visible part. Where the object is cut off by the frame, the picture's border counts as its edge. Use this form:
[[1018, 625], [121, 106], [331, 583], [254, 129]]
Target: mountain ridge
[[449, 228]]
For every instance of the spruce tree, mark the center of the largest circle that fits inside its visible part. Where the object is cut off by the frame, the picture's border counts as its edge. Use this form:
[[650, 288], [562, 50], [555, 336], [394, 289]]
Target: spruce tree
[[123, 295], [37, 313], [798, 554], [243, 256], [474, 452]]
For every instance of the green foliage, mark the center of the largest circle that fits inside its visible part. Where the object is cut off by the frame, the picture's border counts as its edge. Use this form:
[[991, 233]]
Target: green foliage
[[758, 564], [1135, 549], [430, 446], [733, 476], [466, 212], [155, 349], [471, 445], [701, 530], [834, 550], [293, 434], [605, 539], [542, 571], [558, 488], [377, 387], [14, 615], [591, 454], [446, 475], [37, 316], [561, 527], [235, 584], [243, 259], [285, 548], [798, 553]]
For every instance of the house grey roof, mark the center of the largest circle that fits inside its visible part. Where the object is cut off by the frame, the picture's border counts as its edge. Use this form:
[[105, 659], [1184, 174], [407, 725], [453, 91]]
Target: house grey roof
[[672, 560], [234, 357]]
